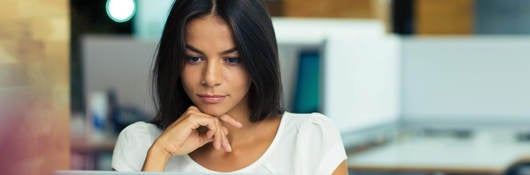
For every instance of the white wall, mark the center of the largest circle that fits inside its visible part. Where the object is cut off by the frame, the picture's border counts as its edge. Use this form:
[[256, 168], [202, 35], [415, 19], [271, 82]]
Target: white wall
[[467, 80], [122, 63]]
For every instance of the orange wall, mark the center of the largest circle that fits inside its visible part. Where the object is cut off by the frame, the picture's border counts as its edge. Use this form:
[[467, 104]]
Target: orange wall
[[34, 86], [328, 9], [355, 9], [432, 17], [453, 17]]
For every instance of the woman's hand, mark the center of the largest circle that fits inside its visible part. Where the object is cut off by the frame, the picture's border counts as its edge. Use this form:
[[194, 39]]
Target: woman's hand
[[192, 130]]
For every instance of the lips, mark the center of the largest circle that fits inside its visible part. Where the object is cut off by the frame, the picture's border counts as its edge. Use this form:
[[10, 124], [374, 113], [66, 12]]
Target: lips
[[211, 99]]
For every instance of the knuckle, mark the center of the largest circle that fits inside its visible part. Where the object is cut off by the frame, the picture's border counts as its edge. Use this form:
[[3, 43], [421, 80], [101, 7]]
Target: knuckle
[[187, 113], [217, 122]]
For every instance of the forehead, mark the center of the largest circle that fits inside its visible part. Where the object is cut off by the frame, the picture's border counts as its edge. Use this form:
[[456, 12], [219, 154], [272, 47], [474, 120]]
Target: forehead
[[210, 28]]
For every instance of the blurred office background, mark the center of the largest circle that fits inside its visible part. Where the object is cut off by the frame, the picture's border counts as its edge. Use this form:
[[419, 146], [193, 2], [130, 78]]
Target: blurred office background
[[415, 86]]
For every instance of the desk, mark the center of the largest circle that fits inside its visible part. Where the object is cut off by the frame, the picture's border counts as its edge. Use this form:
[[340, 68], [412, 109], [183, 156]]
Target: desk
[[442, 154], [90, 146], [89, 154]]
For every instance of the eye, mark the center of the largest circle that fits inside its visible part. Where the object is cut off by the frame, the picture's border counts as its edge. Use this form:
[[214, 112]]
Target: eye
[[193, 59], [232, 60]]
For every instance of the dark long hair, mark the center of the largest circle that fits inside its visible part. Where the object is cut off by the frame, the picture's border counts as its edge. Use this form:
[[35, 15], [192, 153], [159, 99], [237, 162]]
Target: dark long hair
[[254, 39]]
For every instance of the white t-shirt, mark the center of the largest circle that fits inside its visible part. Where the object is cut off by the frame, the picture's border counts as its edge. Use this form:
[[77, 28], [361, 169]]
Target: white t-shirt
[[304, 144]]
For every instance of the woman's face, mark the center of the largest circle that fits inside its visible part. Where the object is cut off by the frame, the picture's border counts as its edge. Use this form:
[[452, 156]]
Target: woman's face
[[213, 77]]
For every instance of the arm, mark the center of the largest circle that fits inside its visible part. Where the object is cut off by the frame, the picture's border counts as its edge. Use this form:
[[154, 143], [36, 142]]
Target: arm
[[342, 169], [156, 159]]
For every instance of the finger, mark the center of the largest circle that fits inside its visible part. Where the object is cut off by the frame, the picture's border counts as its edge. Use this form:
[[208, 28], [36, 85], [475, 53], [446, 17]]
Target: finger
[[225, 130], [214, 131], [210, 134], [218, 135], [206, 140], [202, 121], [213, 124], [223, 139], [190, 111], [226, 144], [230, 120], [193, 108]]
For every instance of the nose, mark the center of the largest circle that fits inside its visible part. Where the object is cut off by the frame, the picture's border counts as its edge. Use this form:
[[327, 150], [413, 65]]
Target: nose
[[212, 74]]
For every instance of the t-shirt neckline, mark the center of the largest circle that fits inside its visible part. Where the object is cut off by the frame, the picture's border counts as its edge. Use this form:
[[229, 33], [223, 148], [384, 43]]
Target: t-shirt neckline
[[253, 164]]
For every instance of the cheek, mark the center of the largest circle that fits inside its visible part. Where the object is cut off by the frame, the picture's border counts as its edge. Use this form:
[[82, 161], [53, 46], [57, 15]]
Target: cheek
[[243, 81], [187, 79], [247, 84], [237, 81]]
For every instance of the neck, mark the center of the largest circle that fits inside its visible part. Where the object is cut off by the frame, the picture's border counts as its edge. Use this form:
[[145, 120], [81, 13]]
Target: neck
[[247, 131]]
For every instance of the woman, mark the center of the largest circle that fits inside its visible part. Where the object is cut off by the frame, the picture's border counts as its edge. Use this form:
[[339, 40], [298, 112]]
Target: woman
[[217, 84]]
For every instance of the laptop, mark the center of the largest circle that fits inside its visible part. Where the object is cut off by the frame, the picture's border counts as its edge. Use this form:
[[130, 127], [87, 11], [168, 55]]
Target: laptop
[[82, 172]]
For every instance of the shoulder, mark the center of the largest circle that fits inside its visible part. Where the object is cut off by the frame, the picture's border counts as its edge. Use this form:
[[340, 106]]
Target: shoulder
[[311, 121], [140, 128], [313, 127], [139, 131], [132, 145], [316, 141], [138, 134]]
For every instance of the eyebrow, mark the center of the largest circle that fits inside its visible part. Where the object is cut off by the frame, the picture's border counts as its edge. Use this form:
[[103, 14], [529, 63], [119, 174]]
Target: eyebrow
[[202, 53]]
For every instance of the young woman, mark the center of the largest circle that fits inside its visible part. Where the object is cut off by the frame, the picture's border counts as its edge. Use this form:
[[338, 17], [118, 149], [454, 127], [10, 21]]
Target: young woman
[[217, 85]]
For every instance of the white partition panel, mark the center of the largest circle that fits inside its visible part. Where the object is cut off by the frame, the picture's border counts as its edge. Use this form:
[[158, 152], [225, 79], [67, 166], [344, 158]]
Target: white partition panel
[[467, 80], [297, 34], [361, 81], [311, 31]]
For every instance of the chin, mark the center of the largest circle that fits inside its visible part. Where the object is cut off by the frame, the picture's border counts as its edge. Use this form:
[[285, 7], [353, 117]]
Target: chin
[[214, 111]]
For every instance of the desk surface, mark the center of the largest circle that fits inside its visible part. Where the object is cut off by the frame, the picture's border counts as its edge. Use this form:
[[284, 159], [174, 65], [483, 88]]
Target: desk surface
[[87, 145], [482, 155]]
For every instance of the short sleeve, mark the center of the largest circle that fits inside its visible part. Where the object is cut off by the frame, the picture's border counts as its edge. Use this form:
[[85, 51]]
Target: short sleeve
[[132, 145], [323, 143]]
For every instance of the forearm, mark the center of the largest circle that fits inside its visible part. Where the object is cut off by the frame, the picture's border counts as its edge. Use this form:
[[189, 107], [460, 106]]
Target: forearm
[[156, 159]]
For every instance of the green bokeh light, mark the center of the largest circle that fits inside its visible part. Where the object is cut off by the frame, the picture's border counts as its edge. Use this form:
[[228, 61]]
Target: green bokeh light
[[121, 10]]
